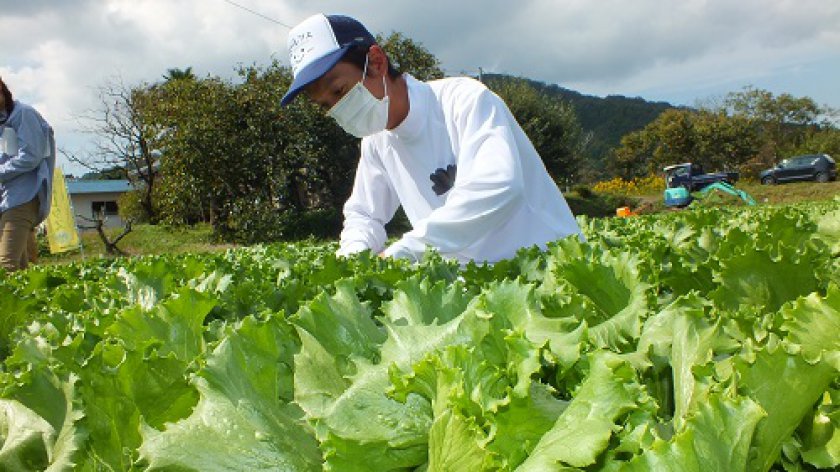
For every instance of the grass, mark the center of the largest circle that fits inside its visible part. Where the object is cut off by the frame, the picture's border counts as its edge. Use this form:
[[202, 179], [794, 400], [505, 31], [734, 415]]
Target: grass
[[597, 205], [781, 194], [143, 239], [161, 239], [791, 193]]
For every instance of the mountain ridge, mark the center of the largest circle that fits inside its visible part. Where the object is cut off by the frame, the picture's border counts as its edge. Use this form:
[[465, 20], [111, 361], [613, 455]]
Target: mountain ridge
[[608, 118]]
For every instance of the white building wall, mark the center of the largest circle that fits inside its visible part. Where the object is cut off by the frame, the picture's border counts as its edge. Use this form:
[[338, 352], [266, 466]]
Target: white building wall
[[83, 205]]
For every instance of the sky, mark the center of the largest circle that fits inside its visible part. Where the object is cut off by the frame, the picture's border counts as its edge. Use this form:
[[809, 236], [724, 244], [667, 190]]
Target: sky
[[55, 54]]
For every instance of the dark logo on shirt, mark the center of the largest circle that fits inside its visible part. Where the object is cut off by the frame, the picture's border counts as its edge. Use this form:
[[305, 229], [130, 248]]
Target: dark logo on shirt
[[443, 180]]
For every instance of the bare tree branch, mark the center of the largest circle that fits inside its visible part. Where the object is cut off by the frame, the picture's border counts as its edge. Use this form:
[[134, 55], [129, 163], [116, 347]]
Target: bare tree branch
[[124, 138], [99, 226]]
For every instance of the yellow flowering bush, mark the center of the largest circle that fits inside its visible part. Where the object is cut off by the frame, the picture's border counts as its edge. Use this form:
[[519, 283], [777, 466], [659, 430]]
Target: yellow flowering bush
[[647, 185]]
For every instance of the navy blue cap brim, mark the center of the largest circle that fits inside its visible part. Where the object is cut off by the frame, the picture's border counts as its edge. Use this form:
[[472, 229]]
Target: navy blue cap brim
[[313, 72]]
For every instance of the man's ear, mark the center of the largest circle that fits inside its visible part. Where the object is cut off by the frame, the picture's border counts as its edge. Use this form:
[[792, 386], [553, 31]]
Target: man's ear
[[377, 61]]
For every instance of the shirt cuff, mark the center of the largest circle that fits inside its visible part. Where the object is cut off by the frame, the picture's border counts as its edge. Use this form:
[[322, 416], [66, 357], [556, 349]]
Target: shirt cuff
[[406, 248], [350, 248]]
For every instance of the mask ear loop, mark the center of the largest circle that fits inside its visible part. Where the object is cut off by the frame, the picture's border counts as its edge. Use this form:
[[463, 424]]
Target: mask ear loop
[[364, 74], [364, 71]]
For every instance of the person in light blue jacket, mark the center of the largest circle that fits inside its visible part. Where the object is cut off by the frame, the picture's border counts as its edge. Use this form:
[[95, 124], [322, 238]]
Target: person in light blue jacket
[[27, 161]]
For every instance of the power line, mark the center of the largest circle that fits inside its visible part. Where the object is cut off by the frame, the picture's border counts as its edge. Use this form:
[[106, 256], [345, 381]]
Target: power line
[[257, 13]]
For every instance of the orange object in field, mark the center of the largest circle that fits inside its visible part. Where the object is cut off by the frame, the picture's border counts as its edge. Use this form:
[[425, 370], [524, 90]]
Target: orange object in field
[[623, 212]]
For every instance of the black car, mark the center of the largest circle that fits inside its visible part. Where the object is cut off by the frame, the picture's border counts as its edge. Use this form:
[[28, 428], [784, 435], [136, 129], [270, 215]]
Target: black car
[[817, 167]]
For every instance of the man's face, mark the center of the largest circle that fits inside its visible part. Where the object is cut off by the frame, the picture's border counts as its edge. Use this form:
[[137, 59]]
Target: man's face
[[333, 85]]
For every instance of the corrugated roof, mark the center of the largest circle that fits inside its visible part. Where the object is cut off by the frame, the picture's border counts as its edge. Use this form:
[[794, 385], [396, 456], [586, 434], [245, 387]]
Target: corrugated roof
[[98, 186]]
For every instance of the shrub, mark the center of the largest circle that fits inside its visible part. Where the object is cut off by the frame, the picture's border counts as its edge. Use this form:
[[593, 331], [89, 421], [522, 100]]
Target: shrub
[[129, 207], [599, 205], [647, 185], [583, 191]]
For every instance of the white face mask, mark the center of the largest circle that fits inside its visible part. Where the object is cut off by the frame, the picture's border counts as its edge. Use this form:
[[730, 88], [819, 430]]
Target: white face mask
[[359, 112]]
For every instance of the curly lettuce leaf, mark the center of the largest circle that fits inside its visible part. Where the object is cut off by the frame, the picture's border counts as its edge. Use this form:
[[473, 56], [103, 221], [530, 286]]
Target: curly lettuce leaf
[[716, 437], [341, 375], [243, 419], [583, 430]]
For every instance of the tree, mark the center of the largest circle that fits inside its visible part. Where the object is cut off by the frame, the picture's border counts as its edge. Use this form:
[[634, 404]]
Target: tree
[[823, 141], [114, 173], [125, 139], [233, 156], [410, 56], [711, 139], [783, 119], [725, 142], [179, 74], [192, 148], [632, 158], [763, 106], [675, 138], [669, 139]]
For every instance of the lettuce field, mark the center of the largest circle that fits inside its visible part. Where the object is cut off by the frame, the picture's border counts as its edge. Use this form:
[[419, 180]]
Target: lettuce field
[[702, 340]]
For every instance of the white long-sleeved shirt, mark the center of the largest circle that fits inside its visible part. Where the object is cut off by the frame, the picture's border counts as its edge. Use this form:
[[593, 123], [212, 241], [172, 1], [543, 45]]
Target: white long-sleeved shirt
[[502, 199]]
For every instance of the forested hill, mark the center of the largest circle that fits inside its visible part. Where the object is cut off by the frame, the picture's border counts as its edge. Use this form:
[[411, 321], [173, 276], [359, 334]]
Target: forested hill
[[607, 118]]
